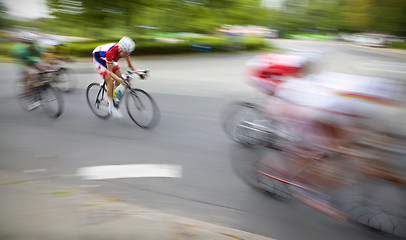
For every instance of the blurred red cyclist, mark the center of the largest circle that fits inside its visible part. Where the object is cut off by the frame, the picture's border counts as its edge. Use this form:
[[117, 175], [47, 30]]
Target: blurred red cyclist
[[267, 71]]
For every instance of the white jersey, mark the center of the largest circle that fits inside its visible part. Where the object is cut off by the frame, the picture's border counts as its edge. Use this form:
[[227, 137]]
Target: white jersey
[[348, 99]]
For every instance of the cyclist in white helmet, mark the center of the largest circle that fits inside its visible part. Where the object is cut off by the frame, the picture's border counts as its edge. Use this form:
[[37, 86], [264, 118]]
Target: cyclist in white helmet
[[105, 58]]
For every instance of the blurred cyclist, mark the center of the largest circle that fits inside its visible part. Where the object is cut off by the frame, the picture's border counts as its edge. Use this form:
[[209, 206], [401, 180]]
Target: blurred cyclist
[[105, 58], [328, 103], [30, 59]]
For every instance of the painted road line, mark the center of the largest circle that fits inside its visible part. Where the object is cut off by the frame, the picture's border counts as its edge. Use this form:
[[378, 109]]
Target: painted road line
[[130, 171]]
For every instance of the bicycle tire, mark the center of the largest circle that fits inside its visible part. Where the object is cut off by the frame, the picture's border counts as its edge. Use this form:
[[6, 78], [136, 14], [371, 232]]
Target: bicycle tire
[[97, 100], [142, 108], [66, 80], [377, 205], [248, 166], [51, 100]]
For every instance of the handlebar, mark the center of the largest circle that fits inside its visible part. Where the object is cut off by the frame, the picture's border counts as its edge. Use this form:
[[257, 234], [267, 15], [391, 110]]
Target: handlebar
[[127, 75], [145, 71], [47, 71]]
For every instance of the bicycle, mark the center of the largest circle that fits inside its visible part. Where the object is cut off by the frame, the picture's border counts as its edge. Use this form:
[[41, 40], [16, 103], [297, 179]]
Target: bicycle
[[41, 90], [347, 184], [141, 107]]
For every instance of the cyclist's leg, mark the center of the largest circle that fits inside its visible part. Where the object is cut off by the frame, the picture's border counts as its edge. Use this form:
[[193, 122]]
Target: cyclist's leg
[[110, 85], [24, 76], [115, 111], [117, 71], [101, 68]]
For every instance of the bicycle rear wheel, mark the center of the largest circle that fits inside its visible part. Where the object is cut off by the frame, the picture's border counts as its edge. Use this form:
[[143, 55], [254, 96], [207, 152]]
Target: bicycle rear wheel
[[25, 95], [142, 108], [51, 100], [96, 97], [66, 80], [378, 205]]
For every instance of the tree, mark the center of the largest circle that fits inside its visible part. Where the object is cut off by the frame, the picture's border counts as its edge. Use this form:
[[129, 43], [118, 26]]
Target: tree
[[168, 15], [3, 20]]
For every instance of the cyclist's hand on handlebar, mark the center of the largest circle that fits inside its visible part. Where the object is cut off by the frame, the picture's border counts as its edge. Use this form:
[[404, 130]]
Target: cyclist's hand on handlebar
[[142, 76], [126, 82]]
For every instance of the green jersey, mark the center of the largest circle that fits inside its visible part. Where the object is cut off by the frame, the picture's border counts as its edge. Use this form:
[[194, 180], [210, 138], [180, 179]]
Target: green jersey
[[28, 54]]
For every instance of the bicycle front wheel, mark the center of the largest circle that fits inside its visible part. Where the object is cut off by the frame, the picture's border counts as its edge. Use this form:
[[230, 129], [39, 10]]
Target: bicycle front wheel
[[142, 108], [97, 99], [66, 80], [51, 101], [238, 120]]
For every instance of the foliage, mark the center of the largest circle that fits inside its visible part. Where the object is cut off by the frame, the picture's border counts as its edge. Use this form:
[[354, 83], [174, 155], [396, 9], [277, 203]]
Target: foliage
[[98, 17], [215, 44], [3, 21], [101, 19]]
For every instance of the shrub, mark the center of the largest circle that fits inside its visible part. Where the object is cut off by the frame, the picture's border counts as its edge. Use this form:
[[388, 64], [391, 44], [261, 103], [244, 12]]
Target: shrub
[[146, 45]]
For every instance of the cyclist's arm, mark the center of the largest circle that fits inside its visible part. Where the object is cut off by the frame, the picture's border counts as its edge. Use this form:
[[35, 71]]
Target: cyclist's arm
[[130, 65], [133, 68], [44, 56], [41, 66]]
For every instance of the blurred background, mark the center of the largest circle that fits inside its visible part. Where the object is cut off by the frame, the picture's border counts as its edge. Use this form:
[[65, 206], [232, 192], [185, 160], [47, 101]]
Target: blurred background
[[170, 26]]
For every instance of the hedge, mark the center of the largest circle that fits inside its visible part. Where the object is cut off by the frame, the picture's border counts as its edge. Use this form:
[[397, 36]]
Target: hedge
[[148, 46]]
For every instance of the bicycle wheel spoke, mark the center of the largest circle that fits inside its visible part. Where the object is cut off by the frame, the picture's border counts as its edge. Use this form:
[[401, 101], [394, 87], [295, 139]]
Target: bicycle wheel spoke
[[138, 103]]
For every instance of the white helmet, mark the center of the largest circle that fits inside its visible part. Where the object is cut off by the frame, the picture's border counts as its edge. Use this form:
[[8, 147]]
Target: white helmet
[[126, 44]]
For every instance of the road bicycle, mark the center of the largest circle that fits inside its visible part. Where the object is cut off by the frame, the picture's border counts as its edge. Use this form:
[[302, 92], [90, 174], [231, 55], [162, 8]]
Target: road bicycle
[[40, 91], [140, 106], [360, 185]]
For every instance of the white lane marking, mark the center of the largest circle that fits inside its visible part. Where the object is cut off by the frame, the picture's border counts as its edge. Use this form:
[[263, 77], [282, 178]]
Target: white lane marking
[[35, 170], [130, 171]]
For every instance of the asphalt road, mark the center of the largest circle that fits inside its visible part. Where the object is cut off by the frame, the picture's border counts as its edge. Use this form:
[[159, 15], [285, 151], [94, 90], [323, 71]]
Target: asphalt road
[[191, 92]]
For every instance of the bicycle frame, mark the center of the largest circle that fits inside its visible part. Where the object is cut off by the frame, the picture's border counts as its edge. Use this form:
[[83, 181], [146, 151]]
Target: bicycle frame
[[39, 82], [127, 76]]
